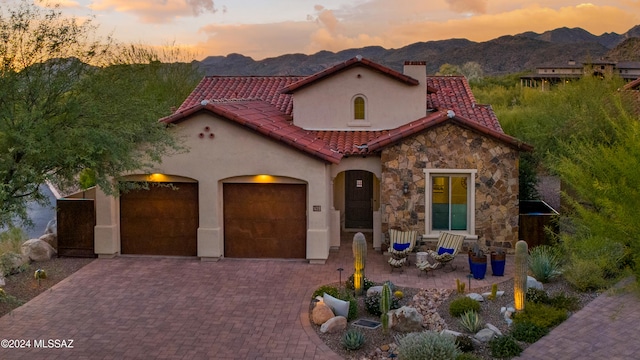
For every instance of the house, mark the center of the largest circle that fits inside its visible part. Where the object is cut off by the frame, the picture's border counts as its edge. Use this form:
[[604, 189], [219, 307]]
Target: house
[[545, 76], [278, 166]]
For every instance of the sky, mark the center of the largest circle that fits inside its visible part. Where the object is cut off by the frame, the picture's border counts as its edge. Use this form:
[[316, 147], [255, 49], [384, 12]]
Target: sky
[[262, 29]]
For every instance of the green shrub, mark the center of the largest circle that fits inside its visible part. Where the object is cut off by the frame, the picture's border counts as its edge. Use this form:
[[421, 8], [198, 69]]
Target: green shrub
[[471, 321], [545, 263], [372, 303], [504, 346], [537, 296], [585, 275], [353, 339], [528, 332], [464, 343], [366, 283], [467, 356], [9, 299], [427, 345], [330, 290], [562, 301], [463, 304], [542, 315]]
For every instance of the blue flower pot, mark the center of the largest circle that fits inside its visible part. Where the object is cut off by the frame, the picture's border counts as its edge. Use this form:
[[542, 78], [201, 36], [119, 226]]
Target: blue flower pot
[[478, 266], [497, 264]]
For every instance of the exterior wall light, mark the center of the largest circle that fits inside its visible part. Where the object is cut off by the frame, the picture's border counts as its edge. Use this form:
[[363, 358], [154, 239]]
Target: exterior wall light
[[405, 188]]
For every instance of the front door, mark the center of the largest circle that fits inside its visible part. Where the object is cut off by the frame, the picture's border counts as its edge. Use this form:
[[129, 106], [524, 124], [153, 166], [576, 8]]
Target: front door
[[358, 199]]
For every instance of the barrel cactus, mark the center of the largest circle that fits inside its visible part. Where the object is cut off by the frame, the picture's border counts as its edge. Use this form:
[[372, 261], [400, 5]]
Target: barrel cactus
[[385, 306]]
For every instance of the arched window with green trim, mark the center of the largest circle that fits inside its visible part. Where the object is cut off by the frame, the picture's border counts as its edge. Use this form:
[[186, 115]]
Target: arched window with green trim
[[358, 108]]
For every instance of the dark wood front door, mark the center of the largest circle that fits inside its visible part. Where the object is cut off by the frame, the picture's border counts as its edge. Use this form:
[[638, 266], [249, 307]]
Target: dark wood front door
[[358, 199], [265, 220], [160, 221]]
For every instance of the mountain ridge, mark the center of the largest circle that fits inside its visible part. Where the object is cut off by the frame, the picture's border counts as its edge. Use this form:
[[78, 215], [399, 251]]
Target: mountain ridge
[[503, 55]]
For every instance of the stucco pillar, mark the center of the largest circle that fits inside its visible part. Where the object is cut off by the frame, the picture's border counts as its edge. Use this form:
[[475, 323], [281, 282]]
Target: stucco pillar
[[106, 231]]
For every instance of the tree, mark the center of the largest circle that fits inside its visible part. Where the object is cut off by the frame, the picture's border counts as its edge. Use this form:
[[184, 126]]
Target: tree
[[472, 71], [63, 110], [448, 69]]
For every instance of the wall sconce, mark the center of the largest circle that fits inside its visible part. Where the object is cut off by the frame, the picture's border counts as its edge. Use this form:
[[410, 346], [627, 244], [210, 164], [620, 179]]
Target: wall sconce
[[405, 188]]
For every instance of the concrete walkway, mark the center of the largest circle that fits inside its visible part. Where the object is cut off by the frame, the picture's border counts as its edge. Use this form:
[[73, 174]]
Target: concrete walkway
[[170, 308]]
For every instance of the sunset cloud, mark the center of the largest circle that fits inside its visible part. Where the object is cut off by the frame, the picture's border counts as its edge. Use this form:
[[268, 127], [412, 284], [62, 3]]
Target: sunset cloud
[[157, 11]]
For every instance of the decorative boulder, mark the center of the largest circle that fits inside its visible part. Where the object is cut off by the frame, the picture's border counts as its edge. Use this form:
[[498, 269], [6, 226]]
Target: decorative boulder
[[37, 250], [12, 262], [339, 307], [405, 319], [321, 313], [335, 324], [2, 283], [533, 283], [476, 297], [485, 335], [51, 239], [374, 290]]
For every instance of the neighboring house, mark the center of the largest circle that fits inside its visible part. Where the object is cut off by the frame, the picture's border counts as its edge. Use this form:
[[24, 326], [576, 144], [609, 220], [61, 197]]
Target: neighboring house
[[278, 166], [545, 76]]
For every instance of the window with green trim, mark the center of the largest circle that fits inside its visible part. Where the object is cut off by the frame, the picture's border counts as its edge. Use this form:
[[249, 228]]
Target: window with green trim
[[358, 108]]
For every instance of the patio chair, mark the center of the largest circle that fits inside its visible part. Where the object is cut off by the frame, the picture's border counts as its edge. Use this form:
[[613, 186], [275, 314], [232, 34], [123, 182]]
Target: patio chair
[[402, 243], [447, 248]]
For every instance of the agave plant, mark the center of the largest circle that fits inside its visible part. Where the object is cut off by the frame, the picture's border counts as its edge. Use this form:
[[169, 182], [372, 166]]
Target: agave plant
[[471, 321], [353, 339]]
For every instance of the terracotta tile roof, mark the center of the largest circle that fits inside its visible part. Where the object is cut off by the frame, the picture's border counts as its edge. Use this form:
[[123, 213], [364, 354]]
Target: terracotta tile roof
[[265, 119], [264, 104], [353, 62]]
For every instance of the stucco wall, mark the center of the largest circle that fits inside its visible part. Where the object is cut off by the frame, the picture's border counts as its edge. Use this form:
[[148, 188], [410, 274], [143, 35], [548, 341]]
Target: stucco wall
[[327, 105], [234, 154], [452, 147]]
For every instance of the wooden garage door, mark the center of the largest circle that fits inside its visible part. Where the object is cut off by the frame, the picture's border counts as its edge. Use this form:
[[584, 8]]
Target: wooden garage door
[[160, 221], [265, 220]]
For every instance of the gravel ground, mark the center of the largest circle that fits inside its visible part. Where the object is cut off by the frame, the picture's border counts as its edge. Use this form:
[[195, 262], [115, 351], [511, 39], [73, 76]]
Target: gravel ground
[[379, 345], [22, 287]]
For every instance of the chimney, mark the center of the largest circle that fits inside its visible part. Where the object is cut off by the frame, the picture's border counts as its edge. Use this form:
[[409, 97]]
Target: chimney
[[418, 71]]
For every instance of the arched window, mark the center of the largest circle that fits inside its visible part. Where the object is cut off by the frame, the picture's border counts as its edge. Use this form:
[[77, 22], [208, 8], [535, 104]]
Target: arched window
[[358, 108]]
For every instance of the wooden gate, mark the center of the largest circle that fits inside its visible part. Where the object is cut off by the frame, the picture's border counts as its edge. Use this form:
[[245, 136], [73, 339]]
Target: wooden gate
[[76, 219]]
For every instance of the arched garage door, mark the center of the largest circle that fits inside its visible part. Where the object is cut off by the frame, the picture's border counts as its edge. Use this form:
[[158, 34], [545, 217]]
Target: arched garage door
[[160, 221], [265, 220]]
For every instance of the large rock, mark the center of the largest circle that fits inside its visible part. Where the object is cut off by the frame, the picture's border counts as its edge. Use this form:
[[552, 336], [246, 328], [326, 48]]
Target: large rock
[[335, 324], [405, 319], [51, 239], [374, 290], [485, 335], [11, 263], [37, 250], [321, 313], [533, 283], [2, 282], [339, 307]]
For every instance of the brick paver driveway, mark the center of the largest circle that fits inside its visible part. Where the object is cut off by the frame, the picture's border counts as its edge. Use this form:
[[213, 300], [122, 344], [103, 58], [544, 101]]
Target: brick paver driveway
[[168, 308]]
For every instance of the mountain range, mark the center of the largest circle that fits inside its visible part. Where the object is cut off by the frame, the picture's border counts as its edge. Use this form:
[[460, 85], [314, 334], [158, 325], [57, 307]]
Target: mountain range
[[503, 55]]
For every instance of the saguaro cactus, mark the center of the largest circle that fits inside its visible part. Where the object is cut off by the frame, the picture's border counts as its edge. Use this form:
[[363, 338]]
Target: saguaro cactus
[[520, 275], [385, 306], [359, 248]]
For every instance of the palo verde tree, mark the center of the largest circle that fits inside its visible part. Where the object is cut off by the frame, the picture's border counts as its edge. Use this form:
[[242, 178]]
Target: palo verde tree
[[65, 108]]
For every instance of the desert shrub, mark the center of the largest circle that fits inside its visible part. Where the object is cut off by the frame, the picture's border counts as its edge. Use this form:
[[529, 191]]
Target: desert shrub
[[545, 263], [353, 339], [504, 346], [585, 275], [11, 240], [330, 290], [528, 332], [427, 345], [463, 304], [372, 303], [353, 304], [8, 261], [563, 301], [9, 299], [366, 283], [467, 356], [542, 315], [464, 343], [471, 321], [537, 296]]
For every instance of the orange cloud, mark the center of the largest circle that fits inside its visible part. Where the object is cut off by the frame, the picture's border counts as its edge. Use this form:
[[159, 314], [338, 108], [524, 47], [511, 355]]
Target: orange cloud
[[468, 6], [156, 12], [63, 4]]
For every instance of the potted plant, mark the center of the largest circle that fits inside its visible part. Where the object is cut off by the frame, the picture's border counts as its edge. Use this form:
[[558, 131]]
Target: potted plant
[[477, 262], [498, 261]]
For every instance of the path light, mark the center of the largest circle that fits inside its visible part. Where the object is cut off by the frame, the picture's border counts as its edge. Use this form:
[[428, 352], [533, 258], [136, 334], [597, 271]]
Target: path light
[[469, 277], [340, 277]]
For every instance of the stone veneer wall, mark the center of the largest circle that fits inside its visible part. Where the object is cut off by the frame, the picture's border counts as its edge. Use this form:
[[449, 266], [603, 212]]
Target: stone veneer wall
[[453, 147]]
